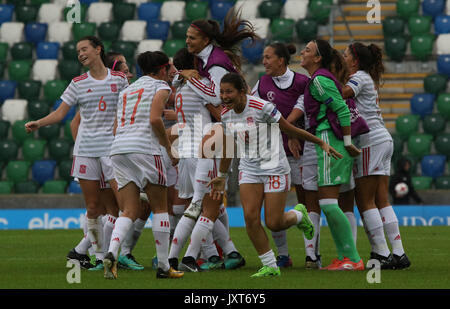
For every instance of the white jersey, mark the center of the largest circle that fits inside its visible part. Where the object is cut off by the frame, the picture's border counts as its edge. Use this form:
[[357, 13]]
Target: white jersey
[[264, 154], [134, 132], [98, 104], [309, 156], [366, 98]]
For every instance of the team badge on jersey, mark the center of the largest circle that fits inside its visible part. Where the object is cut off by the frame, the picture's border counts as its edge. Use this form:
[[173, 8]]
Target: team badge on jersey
[[271, 96], [82, 169], [113, 87], [250, 121], [274, 112]]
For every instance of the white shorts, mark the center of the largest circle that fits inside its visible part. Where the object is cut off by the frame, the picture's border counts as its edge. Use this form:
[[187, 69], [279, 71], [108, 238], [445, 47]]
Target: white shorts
[[296, 176], [139, 168], [186, 177], [93, 169], [172, 172], [309, 180], [272, 183], [374, 160]]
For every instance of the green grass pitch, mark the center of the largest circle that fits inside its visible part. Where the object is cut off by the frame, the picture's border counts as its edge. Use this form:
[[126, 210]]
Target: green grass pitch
[[37, 260]]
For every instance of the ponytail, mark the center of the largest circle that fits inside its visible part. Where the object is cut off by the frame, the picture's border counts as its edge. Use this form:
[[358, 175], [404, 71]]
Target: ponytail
[[332, 60], [370, 60], [377, 68]]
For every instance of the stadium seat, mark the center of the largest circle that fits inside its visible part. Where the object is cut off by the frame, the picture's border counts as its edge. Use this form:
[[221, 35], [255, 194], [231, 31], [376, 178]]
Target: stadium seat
[[29, 90], [433, 124], [19, 70], [6, 187], [125, 48], [36, 32], [59, 149], [83, 29], [306, 29], [37, 109], [68, 131], [419, 145], [395, 47], [100, 12], [47, 50], [170, 47], [443, 64], [249, 9], [270, 9], [17, 171], [433, 165], [134, 30], [179, 29], [26, 187], [262, 26], [393, 25], [19, 133], [421, 182], [72, 14], [14, 109], [123, 11], [435, 83], [419, 25], [88, 2], [149, 11], [69, 69], [219, 9], [407, 8], [146, 45], [422, 46], [172, 11], [74, 187], [253, 51], [406, 125], [443, 44], [54, 187], [3, 51], [26, 13], [2, 70], [53, 89], [33, 149], [442, 24], [320, 10], [8, 150], [50, 13], [295, 9], [442, 183], [6, 13], [433, 8], [49, 132], [65, 169], [7, 90], [196, 10], [282, 29], [442, 144], [22, 51], [43, 170], [158, 30], [109, 31], [443, 105], [70, 114], [44, 70], [422, 104], [69, 51], [398, 144], [60, 32], [12, 32], [4, 129]]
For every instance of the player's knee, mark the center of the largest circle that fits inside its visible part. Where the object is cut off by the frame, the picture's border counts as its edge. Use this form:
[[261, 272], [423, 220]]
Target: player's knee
[[252, 220]]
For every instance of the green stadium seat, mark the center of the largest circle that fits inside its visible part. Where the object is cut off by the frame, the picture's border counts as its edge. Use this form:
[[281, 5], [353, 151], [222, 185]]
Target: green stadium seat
[[393, 25], [8, 150], [398, 144], [19, 133], [421, 182], [170, 47], [3, 51], [442, 144], [53, 89], [33, 149], [443, 105], [59, 149], [179, 29], [120, 1], [22, 51], [49, 132], [422, 46], [68, 133], [406, 125], [407, 8], [69, 51], [39, 2], [6, 187], [109, 31], [442, 183], [83, 29], [123, 11], [37, 109], [17, 171], [433, 124], [16, 2], [419, 145], [19, 70], [306, 29], [69, 69], [26, 187], [29, 90], [270, 9], [125, 48], [65, 169], [54, 187], [435, 83], [320, 10], [196, 10], [26, 13], [419, 24], [395, 47], [107, 45], [2, 69], [4, 129], [83, 11], [282, 29]]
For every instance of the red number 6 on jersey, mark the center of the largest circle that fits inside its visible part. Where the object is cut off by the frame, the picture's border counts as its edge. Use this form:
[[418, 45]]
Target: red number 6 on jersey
[[102, 104]]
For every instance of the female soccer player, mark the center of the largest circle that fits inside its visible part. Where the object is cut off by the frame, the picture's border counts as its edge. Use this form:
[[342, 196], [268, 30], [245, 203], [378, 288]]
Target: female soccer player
[[373, 167], [96, 92], [326, 109], [136, 159], [283, 88], [264, 175]]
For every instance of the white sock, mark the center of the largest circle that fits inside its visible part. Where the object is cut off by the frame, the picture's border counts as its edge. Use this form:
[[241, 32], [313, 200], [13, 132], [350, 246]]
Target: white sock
[[121, 228], [374, 225], [161, 233], [182, 233], [208, 248], [268, 259], [312, 246], [202, 228], [280, 239], [352, 219], [390, 223], [173, 223], [108, 227], [95, 233], [223, 238], [132, 237], [85, 243], [223, 217]]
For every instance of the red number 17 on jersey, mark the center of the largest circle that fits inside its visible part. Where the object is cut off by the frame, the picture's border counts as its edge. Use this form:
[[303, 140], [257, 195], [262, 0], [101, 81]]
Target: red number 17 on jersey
[[139, 92]]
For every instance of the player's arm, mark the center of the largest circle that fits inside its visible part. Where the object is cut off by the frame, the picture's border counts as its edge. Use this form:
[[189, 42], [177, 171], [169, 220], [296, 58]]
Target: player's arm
[[215, 111], [54, 117], [75, 124], [347, 92]]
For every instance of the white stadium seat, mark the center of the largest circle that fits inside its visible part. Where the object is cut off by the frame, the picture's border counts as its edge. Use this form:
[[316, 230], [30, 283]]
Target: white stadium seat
[[60, 32], [100, 12], [49, 13], [44, 70], [14, 109], [261, 26], [249, 9], [133, 30], [443, 44], [149, 45], [11, 32], [295, 9], [172, 11]]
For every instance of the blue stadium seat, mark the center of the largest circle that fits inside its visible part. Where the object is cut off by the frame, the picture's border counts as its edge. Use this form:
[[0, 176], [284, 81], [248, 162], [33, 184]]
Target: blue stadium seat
[[87, 2], [442, 24], [219, 9], [149, 11], [433, 165], [158, 29], [47, 50], [443, 64], [138, 71], [43, 170], [422, 104], [7, 90], [253, 51], [69, 115], [74, 187], [433, 7], [35, 32], [6, 13]]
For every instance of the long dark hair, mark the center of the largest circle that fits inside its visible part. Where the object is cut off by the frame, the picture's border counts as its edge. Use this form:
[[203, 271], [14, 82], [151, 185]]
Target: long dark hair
[[236, 80], [151, 62], [370, 60], [112, 62], [283, 51], [332, 60], [95, 42], [183, 59]]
